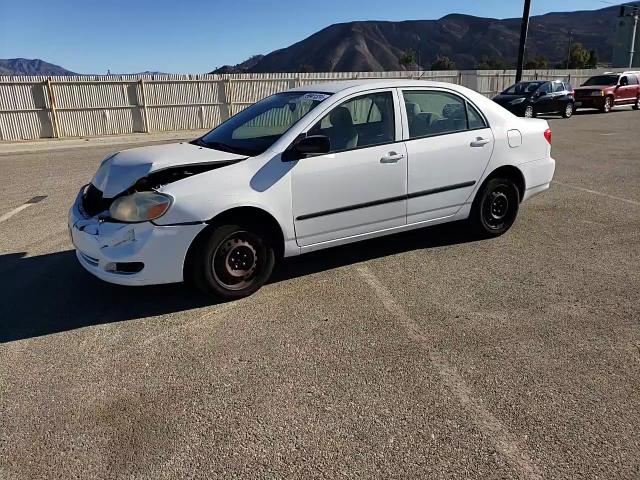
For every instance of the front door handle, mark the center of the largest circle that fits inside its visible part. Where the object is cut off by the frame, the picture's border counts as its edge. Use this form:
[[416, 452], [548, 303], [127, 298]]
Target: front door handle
[[480, 142], [392, 157]]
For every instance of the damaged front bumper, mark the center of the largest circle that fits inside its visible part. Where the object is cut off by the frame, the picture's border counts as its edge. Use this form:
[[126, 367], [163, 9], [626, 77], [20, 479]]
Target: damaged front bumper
[[130, 253]]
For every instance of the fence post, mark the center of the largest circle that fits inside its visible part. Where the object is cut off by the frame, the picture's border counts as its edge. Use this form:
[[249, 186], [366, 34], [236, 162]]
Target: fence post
[[227, 100], [144, 107], [52, 109]]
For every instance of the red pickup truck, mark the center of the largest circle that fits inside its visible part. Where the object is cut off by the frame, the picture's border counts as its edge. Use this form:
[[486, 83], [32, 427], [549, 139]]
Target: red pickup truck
[[608, 90]]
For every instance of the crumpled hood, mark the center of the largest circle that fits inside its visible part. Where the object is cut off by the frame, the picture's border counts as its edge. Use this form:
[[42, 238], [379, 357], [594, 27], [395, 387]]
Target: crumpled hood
[[122, 170]]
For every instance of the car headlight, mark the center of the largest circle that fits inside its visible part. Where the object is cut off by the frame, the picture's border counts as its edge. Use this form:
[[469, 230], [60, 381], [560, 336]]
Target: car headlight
[[140, 207], [517, 101], [598, 93]]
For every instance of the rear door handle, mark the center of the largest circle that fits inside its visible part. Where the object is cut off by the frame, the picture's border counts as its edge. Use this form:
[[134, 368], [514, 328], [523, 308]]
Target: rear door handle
[[392, 157], [480, 142]]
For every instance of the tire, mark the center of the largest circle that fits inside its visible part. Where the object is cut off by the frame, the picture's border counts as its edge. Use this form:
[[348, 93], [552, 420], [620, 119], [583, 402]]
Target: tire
[[636, 106], [231, 262], [529, 112], [568, 110], [608, 105], [495, 208]]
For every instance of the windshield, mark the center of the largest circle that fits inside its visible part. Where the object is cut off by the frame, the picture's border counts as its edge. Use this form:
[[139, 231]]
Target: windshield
[[259, 126], [522, 88], [602, 80]]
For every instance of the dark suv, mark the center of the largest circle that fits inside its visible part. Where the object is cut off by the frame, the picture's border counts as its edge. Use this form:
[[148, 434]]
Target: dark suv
[[528, 99], [608, 90]]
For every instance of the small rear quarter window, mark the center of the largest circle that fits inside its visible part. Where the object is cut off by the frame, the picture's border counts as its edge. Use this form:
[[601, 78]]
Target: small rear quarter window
[[474, 118]]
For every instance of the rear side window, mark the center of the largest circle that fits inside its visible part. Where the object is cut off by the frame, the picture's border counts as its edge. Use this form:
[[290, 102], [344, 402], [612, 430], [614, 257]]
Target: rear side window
[[633, 79], [546, 87], [474, 117], [436, 113], [558, 87], [568, 87]]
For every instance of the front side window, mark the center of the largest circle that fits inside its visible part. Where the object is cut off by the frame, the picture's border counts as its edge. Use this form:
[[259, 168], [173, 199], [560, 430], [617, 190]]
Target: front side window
[[359, 122], [256, 128], [522, 88], [436, 113]]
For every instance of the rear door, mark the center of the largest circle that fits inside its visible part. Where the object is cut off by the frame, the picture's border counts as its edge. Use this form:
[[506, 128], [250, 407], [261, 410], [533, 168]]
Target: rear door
[[544, 102], [560, 96], [361, 185], [449, 144], [633, 88], [625, 91]]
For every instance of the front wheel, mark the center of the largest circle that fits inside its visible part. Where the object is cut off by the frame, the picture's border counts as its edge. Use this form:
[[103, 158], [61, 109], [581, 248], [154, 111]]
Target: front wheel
[[495, 207], [608, 103], [568, 110], [231, 262], [529, 112]]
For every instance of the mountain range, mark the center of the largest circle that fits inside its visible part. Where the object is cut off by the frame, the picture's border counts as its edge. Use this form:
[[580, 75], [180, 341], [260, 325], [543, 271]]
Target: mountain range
[[24, 66], [380, 45], [465, 39]]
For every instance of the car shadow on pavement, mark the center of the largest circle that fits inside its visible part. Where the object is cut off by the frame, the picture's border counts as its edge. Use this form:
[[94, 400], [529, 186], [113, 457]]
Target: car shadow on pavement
[[52, 293], [424, 238]]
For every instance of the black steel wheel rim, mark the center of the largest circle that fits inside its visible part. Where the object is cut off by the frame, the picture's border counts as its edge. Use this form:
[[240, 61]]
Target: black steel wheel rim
[[236, 261], [497, 208]]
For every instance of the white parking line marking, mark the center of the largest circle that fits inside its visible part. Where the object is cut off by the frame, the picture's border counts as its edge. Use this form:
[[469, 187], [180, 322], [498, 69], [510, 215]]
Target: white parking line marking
[[595, 192], [504, 441], [10, 214], [26, 204]]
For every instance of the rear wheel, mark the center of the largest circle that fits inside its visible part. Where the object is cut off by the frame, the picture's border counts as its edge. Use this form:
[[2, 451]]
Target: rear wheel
[[568, 110], [608, 103], [232, 262], [636, 106], [529, 112], [495, 207]]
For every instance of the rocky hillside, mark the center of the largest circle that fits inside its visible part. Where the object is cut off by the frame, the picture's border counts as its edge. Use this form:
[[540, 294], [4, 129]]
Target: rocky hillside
[[379, 45]]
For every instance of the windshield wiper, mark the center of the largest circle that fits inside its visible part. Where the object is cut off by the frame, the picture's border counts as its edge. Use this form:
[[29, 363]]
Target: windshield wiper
[[214, 145]]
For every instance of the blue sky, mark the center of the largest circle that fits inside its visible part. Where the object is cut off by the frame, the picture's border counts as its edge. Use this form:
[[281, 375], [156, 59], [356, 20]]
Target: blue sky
[[188, 36]]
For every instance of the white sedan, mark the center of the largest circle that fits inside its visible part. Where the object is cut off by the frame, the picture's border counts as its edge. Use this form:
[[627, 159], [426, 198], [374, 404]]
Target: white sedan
[[303, 170]]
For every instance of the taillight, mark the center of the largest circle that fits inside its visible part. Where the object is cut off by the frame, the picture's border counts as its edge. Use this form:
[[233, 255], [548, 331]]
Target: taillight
[[547, 135]]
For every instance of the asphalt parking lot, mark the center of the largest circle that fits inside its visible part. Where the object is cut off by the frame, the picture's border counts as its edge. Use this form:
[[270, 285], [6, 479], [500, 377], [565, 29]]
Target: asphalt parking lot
[[422, 355]]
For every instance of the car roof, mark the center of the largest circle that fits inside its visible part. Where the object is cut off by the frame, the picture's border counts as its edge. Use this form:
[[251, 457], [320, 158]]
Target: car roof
[[366, 84]]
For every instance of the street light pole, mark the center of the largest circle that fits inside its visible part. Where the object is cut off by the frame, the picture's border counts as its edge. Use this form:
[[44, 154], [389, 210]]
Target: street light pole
[[524, 28], [632, 50], [569, 50]]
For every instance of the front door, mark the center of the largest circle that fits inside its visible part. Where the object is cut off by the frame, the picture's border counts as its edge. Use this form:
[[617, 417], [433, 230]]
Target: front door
[[449, 145], [361, 185]]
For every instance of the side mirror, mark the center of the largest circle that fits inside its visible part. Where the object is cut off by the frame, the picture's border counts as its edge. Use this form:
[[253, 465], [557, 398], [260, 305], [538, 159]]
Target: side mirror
[[304, 146]]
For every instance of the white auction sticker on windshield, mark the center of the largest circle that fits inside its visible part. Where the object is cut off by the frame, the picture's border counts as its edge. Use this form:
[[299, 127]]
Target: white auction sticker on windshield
[[316, 97]]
